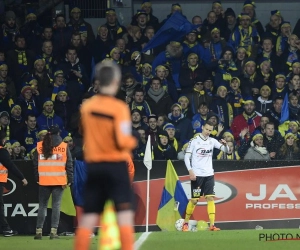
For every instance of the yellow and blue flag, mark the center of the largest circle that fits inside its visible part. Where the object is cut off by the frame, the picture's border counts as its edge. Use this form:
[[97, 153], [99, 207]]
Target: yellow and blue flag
[[285, 109], [168, 212]]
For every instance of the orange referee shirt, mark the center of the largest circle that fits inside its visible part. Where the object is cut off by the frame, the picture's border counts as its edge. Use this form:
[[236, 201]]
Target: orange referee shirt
[[106, 125]]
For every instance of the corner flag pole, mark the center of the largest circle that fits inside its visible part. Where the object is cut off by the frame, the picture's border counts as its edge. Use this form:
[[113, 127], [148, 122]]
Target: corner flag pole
[[148, 164]]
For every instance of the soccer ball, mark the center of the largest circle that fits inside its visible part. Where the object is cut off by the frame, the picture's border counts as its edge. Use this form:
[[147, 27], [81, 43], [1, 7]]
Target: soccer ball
[[179, 224], [202, 225]]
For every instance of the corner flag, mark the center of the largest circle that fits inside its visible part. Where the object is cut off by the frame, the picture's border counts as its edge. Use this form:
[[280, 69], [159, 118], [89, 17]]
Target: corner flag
[[148, 154], [173, 191]]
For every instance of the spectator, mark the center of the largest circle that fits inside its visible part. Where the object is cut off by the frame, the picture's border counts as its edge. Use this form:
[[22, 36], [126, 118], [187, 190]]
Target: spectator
[[189, 73], [93, 90], [27, 101], [265, 72], [115, 30], [234, 96], [241, 57], [9, 31], [181, 154], [170, 128], [291, 126], [63, 108], [58, 84], [41, 134], [231, 22], [129, 84], [18, 151], [44, 80], [48, 118], [151, 19], [61, 36], [218, 129], [16, 123], [222, 108], [183, 125], [245, 36], [75, 75], [163, 150], [233, 156], [10, 86], [250, 85], [50, 59], [263, 103], [262, 124], [185, 105], [139, 103], [136, 118], [198, 96], [19, 61], [140, 20], [153, 129], [199, 119], [257, 151], [291, 54], [176, 7], [76, 151], [294, 83], [6, 100], [247, 121], [282, 40], [4, 124], [272, 140], [162, 119], [46, 35], [146, 74], [78, 24], [294, 107], [213, 51], [28, 135], [139, 151], [280, 89], [191, 46], [273, 27], [84, 54], [274, 113], [149, 55], [289, 151], [101, 46], [249, 8]]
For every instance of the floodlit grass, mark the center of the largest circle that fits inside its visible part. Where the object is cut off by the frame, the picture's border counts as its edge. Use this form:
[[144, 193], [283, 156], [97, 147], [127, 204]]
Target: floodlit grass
[[225, 239]]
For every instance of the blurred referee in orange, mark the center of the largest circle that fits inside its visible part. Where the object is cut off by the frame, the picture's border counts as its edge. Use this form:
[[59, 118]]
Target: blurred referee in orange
[[108, 140]]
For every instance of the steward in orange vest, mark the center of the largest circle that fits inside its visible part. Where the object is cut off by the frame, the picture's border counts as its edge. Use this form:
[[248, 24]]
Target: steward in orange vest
[[6, 165], [53, 169]]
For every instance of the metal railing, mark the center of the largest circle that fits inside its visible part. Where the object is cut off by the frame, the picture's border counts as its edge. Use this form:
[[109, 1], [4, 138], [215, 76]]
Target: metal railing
[[91, 8]]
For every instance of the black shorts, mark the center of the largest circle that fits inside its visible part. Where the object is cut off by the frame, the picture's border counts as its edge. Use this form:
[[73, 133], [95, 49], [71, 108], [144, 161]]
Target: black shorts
[[203, 186], [107, 180]]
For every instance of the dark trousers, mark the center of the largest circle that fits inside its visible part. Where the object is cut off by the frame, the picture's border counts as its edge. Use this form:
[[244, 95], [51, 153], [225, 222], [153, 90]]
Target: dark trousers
[[3, 222]]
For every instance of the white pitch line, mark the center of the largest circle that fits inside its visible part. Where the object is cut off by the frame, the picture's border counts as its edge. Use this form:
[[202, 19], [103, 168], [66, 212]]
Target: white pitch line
[[141, 240]]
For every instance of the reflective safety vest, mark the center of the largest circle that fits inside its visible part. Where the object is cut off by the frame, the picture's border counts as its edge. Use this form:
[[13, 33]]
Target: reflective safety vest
[[3, 172], [52, 171]]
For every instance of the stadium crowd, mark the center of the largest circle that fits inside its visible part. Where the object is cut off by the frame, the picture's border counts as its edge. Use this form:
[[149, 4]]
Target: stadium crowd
[[230, 70]]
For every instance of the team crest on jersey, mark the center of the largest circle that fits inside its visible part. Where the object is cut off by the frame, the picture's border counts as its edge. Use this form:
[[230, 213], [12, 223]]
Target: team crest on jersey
[[196, 192]]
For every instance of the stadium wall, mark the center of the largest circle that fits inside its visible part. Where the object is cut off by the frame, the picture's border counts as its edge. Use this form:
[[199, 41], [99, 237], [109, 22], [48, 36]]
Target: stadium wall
[[248, 193]]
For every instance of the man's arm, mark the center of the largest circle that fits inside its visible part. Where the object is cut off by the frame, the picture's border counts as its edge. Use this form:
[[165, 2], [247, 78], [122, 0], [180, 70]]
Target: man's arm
[[11, 167]]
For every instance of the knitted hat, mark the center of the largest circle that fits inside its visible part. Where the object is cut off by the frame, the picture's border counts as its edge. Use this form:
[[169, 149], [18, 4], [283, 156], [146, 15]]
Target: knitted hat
[[256, 134], [294, 122], [176, 104], [30, 80], [250, 60], [285, 24], [146, 3], [280, 75], [10, 14], [140, 12], [147, 65], [176, 6], [47, 101], [275, 12], [215, 30], [136, 111], [248, 99], [221, 87], [163, 133], [15, 143], [75, 9], [3, 65], [110, 11], [54, 129], [39, 59], [183, 97], [218, 3], [266, 87], [228, 133], [25, 87], [30, 13], [135, 54], [42, 131], [4, 114], [235, 78], [14, 106], [58, 72], [66, 136], [249, 3], [152, 116], [160, 67], [229, 12], [168, 125], [244, 15], [289, 133], [2, 84]]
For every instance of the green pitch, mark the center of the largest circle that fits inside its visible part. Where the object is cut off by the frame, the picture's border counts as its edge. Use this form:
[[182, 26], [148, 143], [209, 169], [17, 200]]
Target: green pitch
[[225, 239]]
